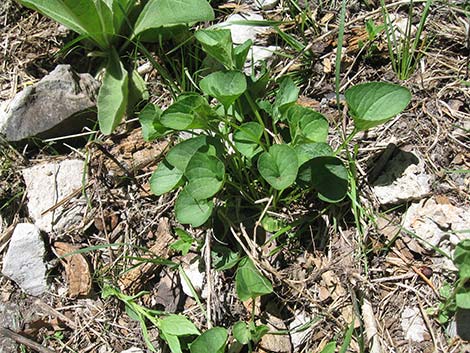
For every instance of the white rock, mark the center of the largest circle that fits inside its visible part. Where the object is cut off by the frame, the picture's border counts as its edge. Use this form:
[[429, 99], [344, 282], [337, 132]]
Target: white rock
[[46, 185], [258, 54], [412, 324], [24, 260], [298, 338], [240, 32], [439, 224], [395, 185], [133, 350], [195, 276], [55, 106], [266, 4]]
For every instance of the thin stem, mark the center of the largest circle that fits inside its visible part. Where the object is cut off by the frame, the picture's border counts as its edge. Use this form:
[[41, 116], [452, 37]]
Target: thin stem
[[347, 140], [258, 117]]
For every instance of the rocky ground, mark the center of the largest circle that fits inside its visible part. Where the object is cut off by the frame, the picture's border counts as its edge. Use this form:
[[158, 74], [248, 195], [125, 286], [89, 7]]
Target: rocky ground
[[67, 189]]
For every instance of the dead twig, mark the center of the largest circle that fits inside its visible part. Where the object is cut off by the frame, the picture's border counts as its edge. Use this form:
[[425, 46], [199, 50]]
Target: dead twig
[[25, 341]]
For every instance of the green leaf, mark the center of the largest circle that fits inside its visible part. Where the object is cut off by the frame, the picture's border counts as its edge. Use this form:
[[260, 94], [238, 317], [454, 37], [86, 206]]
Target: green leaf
[[217, 43], [371, 104], [184, 242], [226, 87], [149, 120], [180, 154], [205, 174], [188, 112], [173, 342], [250, 283], [178, 325], [241, 332], [78, 15], [247, 139], [462, 258], [286, 96], [279, 166], [330, 347], [306, 125], [240, 53], [224, 258], [462, 298], [165, 13], [137, 91], [213, 340], [165, 178], [112, 97], [328, 176], [257, 332], [191, 211], [308, 151], [271, 224]]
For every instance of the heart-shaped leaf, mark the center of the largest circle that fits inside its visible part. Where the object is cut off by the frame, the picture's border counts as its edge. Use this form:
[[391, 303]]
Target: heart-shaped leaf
[[308, 151], [328, 176], [241, 332], [188, 210], [240, 52], [373, 103], [462, 298], [186, 113], [462, 258], [226, 87], [165, 178], [213, 340], [149, 119], [205, 176], [218, 44], [285, 98], [250, 283], [279, 166], [178, 325], [180, 154], [247, 139], [306, 125]]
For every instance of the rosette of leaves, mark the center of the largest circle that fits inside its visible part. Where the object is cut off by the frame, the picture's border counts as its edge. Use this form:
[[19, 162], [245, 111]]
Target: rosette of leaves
[[248, 146], [108, 27]]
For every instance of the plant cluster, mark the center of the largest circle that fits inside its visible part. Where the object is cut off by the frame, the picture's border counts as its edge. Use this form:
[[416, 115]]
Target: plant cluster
[[182, 335], [108, 27], [247, 153], [245, 146]]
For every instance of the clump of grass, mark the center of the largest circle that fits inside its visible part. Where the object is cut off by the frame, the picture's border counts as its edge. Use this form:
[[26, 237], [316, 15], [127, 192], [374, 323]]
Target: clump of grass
[[405, 50]]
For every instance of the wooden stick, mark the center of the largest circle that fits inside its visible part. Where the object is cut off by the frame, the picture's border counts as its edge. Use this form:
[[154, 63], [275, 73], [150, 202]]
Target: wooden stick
[[25, 341]]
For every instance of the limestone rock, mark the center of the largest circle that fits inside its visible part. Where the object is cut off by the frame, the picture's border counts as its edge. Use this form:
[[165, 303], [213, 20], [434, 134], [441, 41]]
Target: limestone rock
[[437, 223], [258, 54], [49, 183], [403, 179], [266, 4], [298, 338], [275, 343], [240, 32], [24, 260], [195, 275], [413, 325], [57, 105]]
